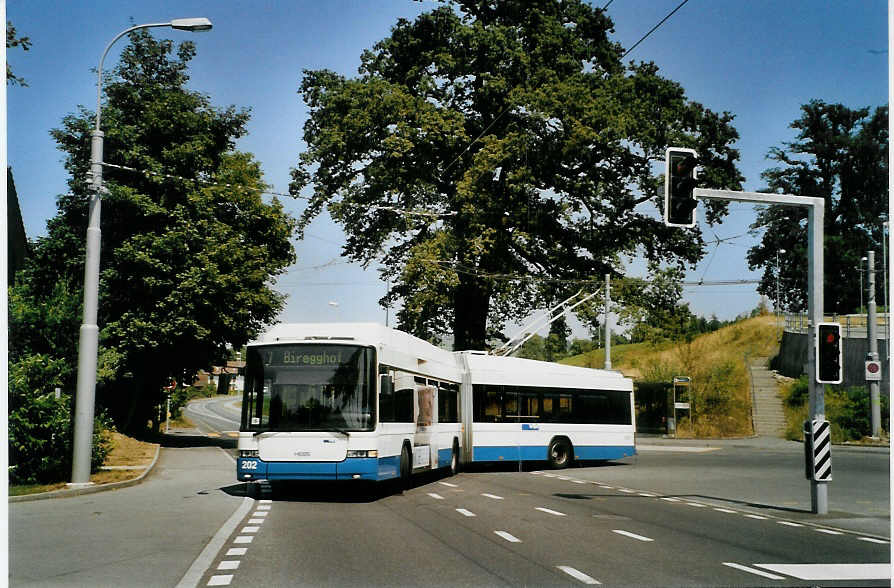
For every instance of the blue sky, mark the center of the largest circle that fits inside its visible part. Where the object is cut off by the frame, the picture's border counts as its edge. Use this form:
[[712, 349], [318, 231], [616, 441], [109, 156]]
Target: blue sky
[[759, 59]]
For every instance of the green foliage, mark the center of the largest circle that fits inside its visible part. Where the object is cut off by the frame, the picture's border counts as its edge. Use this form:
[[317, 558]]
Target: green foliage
[[40, 445], [839, 155], [12, 41], [189, 246], [847, 409], [527, 144]]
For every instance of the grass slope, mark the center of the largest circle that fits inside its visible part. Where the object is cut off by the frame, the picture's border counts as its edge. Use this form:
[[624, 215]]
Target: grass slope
[[717, 363]]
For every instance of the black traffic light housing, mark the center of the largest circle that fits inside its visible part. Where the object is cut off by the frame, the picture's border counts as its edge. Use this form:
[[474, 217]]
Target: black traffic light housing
[[680, 179], [828, 353]]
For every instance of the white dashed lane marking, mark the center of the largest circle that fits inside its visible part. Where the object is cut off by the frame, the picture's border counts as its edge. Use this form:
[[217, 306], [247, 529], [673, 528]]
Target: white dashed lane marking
[[436, 496], [753, 571], [508, 537], [871, 540], [493, 496], [631, 535], [550, 511], [223, 580], [828, 531], [448, 484], [228, 565], [233, 551], [465, 513], [578, 575]]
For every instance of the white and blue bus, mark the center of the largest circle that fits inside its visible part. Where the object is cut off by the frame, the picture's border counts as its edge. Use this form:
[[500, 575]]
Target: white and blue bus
[[348, 401]]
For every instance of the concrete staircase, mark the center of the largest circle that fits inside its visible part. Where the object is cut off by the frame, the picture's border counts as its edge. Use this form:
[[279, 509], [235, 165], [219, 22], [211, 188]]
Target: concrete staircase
[[766, 408]]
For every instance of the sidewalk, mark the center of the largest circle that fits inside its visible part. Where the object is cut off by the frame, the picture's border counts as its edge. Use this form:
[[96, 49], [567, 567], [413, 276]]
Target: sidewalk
[[143, 535]]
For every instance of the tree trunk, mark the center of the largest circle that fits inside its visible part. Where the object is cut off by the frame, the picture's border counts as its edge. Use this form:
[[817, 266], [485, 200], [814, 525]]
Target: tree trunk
[[470, 310]]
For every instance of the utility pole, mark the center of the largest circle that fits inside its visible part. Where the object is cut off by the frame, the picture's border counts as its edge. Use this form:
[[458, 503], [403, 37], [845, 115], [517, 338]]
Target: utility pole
[[872, 334], [608, 331]]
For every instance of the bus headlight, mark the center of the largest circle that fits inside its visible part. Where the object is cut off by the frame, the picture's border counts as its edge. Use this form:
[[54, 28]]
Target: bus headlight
[[363, 453], [248, 453]]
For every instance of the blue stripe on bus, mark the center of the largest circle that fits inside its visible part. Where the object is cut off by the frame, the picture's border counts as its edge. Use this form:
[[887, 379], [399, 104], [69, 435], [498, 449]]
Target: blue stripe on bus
[[538, 452], [366, 468]]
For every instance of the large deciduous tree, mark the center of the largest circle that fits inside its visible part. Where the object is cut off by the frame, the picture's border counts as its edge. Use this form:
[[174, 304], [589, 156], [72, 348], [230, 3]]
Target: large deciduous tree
[[189, 246], [490, 141], [840, 155]]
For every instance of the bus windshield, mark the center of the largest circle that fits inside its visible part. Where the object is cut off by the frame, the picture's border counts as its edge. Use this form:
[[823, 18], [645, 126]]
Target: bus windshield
[[309, 387]]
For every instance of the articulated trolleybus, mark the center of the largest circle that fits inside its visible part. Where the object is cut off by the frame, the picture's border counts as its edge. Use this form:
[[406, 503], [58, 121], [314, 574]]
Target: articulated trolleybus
[[359, 401]]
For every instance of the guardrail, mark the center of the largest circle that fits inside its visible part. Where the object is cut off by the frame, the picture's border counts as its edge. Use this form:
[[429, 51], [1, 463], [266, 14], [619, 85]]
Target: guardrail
[[852, 325]]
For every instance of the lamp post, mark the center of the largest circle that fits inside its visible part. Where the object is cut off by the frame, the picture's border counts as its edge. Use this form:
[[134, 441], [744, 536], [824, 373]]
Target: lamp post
[[860, 269], [778, 303], [88, 341]]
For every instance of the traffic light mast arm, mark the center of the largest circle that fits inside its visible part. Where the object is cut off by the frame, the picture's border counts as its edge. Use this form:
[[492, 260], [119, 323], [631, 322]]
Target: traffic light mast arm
[[816, 208]]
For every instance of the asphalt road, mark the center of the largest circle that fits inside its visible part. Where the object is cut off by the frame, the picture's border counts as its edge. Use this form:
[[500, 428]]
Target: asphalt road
[[216, 416], [717, 513]]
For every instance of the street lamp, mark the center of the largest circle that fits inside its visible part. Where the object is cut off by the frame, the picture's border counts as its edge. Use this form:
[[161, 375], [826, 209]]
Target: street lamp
[[88, 341], [862, 261]]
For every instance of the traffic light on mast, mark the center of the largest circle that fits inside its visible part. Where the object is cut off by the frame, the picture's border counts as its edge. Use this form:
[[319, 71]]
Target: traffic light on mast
[[828, 353], [680, 180]]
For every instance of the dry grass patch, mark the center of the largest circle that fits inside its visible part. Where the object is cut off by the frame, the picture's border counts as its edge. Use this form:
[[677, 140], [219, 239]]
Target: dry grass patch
[[125, 451]]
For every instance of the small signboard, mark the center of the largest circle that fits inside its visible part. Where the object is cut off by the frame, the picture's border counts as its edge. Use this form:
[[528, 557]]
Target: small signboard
[[873, 370]]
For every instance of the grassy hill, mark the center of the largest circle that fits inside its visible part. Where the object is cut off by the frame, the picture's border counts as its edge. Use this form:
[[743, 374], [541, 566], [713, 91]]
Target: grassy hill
[[716, 362]]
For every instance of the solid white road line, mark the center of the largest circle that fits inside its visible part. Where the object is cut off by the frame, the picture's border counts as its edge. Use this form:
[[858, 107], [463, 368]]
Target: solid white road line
[[753, 571], [550, 511], [201, 564], [578, 575], [465, 513], [845, 572], [508, 537], [631, 535], [494, 496]]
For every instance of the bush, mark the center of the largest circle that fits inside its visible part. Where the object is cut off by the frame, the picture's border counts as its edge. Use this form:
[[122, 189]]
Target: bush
[[847, 410], [40, 437]]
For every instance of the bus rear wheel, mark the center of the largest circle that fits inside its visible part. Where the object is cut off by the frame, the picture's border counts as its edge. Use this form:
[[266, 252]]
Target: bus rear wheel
[[559, 454], [454, 459], [405, 470]]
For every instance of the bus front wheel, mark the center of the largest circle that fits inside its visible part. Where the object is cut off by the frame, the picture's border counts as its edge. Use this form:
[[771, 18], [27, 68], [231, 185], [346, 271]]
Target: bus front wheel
[[559, 454]]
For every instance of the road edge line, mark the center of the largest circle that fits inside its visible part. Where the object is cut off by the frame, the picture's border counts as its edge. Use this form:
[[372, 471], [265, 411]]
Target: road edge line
[[201, 564]]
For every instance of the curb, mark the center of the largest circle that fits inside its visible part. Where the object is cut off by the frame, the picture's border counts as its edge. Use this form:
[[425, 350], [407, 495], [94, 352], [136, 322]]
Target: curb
[[66, 492]]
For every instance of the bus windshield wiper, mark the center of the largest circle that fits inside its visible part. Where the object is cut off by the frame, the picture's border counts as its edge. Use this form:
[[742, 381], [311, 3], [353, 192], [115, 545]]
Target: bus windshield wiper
[[342, 431]]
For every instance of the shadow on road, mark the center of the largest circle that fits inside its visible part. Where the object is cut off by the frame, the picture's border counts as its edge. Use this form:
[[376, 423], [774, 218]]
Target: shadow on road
[[692, 497], [182, 440]]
